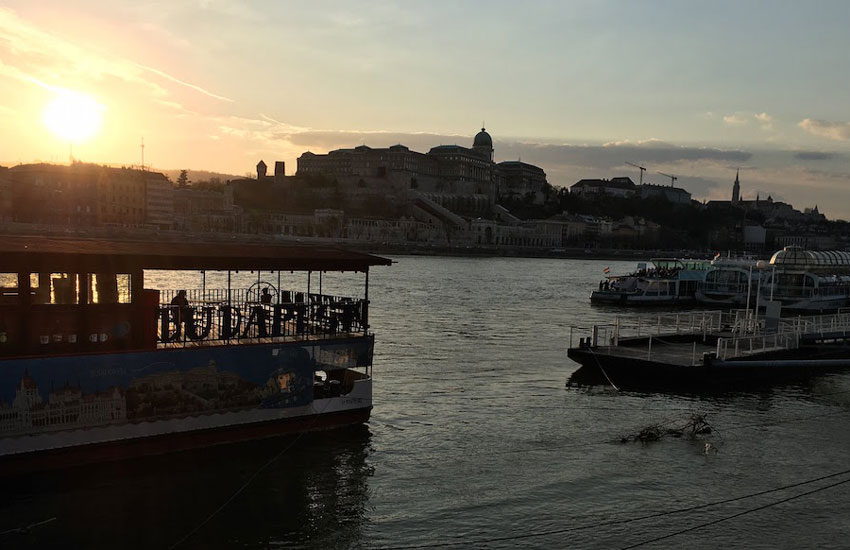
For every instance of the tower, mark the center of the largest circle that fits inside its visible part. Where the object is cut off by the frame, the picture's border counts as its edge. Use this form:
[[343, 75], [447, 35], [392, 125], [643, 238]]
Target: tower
[[483, 144], [736, 189]]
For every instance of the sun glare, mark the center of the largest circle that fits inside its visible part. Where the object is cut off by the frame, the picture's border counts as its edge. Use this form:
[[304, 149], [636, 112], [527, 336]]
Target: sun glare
[[73, 116]]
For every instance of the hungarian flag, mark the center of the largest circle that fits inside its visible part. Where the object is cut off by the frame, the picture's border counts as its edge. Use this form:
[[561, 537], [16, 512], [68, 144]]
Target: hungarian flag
[[606, 270]]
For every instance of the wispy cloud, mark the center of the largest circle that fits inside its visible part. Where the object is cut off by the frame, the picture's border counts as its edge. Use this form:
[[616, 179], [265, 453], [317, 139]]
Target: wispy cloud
[[839, 131], [765, 120], [46, 60], [813, 155], [734, 120], [183, 83]]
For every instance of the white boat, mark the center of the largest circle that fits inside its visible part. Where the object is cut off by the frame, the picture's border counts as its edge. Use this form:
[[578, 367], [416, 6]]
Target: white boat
[[729, 281], [668, 280], [807, 280]]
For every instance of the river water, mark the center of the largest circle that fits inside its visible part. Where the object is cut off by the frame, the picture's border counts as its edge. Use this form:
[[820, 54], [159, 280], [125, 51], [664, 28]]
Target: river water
[[475, 442]]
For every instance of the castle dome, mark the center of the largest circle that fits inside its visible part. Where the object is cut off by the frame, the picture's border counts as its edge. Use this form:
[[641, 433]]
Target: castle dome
[[483, 139]]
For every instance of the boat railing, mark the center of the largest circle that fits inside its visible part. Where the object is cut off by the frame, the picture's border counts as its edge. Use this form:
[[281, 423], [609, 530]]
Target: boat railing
[[787, 334], [739, 346], [219, 316], [818, 325]]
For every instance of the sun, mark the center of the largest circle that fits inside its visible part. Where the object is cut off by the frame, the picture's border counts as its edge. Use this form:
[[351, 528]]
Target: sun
[[73, 116]]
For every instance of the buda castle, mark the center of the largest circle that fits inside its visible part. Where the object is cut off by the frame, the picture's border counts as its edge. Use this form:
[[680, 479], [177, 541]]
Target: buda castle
[[465, 180]]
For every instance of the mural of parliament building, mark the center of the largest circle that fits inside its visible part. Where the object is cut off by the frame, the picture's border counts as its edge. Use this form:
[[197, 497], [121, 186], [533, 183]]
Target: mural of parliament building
[[65, 407]]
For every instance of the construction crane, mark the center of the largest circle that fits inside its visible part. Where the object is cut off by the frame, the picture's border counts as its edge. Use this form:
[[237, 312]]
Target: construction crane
[[672, 178], [642, 170]]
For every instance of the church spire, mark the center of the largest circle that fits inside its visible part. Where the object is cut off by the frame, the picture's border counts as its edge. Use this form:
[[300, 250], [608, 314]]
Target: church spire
[[736, 189]]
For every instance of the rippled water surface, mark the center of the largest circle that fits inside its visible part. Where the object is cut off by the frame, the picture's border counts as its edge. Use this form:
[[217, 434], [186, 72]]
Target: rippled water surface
[[474, 441]]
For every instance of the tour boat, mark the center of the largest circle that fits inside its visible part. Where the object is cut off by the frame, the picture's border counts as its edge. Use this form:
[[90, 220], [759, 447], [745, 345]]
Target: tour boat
[[95, 365], [667, 281], [730, 282], [808, 281]]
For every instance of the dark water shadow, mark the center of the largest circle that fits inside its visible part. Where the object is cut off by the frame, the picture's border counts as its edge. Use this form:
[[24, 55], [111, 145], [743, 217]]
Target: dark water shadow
[[308, 491]]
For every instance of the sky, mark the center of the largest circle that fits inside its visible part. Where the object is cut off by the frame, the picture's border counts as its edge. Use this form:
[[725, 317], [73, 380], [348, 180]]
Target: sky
[[581, 88]]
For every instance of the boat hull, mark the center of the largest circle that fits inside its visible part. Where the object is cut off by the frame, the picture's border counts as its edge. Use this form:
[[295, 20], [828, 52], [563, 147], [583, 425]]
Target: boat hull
[[634, 299], [94, 453], [712, 376]]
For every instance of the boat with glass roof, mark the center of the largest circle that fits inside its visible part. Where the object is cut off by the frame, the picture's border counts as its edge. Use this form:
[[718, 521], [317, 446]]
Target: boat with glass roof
[[97, 363], [807, 280]]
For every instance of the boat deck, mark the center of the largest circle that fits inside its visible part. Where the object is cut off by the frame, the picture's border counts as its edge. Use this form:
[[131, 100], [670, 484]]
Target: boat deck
[[718, 352], [673, 353]]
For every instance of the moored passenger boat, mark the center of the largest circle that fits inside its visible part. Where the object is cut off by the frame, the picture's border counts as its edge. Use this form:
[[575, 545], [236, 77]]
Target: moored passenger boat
[[95, 365], [729, 282], [665, 281], [808, 281]]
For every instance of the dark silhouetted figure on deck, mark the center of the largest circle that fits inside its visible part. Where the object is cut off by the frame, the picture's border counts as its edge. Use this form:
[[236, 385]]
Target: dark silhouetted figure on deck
[[180, 310], [266, 297]]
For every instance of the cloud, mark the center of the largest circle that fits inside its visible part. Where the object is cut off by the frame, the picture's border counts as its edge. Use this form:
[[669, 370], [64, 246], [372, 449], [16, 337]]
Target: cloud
[[37, 57], [616, 154], [734, 120], [839, 131], [609, 155], [182, 83], [813, 155], [765, 120]]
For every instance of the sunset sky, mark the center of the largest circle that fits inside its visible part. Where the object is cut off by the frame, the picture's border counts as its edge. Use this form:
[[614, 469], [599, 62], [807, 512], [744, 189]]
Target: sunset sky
[[578, 88]]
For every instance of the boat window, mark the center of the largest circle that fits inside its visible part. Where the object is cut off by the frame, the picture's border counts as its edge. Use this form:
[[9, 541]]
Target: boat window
[[54, 288], [110, 288], [8, 288]]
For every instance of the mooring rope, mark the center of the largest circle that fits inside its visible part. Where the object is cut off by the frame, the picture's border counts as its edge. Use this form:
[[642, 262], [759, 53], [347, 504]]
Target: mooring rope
[[602, 369]]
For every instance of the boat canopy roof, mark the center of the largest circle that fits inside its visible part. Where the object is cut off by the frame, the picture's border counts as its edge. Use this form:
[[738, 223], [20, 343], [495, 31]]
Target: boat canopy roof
[[738, 262], [796, 257], [681, 263], [21, 253]]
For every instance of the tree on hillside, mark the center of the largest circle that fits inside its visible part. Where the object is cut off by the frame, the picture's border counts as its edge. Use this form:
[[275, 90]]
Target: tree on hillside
[[183, 179]]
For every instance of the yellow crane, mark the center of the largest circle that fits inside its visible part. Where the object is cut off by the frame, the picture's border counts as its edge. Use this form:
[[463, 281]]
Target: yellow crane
[[642, 170], [672, 178]]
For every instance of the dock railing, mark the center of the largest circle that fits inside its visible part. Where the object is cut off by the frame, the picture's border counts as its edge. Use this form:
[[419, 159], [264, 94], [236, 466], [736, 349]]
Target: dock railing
[[740, 346], [662, 324], [739, 333], [788, 334]]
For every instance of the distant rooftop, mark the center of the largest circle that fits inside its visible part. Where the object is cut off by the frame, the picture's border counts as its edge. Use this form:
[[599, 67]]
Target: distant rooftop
[[616, 183]]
